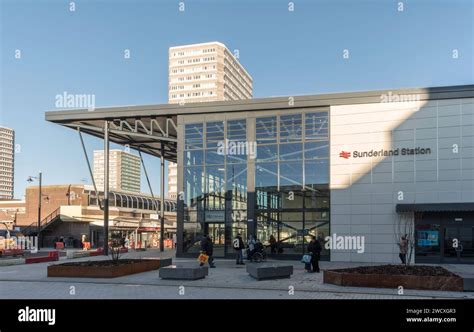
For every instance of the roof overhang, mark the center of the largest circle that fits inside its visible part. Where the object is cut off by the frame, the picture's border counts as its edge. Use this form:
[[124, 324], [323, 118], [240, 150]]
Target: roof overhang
[[435, 207], [145, 132], [149, 127]]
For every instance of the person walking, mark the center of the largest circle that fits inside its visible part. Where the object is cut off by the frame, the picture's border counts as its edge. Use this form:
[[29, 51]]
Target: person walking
[[239, 245], [251, 247], [207, 247], [272, 241], [314, 247], [403, 249]]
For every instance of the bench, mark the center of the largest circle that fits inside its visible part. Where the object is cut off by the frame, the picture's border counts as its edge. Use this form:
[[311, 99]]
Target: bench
[[183, 273], [52, 256], [269, 271], [12, 261], [77, 254], [11, 252]]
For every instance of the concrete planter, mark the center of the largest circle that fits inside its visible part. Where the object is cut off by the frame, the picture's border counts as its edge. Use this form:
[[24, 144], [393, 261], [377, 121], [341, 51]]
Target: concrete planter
[[269, 271], [184, 273], [126, 267], [393, 281]]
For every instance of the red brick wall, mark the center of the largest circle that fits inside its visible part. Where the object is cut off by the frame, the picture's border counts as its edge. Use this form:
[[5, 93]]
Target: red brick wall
[[52, 198]]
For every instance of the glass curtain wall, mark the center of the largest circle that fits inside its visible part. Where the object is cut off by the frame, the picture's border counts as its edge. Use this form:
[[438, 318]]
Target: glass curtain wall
[[290, 173], [215, 184], [193, 183], [292, 181]]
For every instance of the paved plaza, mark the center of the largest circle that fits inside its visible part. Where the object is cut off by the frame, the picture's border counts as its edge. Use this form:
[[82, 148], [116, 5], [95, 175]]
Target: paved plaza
[[227, 281]]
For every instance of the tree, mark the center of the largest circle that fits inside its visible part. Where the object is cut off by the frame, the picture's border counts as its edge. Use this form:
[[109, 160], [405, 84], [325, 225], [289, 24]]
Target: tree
[[115, 244], [405, 226]]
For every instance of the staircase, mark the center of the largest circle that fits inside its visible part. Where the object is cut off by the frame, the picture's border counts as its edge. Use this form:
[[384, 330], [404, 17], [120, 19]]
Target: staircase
[[32, 229]]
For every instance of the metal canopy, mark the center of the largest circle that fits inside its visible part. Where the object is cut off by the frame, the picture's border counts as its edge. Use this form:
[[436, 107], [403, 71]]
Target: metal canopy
[[435, 207], [149, 126], [146, 133]]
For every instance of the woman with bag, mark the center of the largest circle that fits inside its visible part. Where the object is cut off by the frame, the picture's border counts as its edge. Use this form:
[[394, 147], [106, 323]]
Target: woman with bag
[[207, 248], [314, 247]]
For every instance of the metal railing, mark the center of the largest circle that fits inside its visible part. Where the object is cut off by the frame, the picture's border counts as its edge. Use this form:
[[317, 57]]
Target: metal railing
[[45, 222]]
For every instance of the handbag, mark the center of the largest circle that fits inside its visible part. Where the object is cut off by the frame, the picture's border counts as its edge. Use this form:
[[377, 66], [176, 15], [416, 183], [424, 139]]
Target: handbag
[[203, 258], [306, 258]]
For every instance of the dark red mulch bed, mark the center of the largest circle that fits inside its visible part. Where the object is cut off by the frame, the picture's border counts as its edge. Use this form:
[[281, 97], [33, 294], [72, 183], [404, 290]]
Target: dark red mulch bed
[[104, 263], [414, 270]]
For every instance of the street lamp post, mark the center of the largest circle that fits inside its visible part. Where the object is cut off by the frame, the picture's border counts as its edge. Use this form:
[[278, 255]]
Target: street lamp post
[[30, 179]]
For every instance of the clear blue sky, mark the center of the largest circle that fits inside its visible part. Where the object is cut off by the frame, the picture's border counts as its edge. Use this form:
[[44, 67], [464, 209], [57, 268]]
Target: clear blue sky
[[287, 53]]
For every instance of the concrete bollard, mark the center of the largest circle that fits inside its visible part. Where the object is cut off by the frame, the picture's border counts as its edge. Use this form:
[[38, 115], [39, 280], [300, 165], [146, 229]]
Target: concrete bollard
[[70, 254]]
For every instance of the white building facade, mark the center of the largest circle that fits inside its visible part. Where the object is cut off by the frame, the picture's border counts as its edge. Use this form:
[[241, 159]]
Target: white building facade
[[7, 158]]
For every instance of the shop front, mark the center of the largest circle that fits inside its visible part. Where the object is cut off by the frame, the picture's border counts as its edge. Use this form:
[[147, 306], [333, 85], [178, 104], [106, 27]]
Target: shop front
[[444, 237]]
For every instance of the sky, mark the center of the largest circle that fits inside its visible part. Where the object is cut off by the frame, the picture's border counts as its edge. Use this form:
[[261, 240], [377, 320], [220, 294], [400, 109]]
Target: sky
[[426, 43]]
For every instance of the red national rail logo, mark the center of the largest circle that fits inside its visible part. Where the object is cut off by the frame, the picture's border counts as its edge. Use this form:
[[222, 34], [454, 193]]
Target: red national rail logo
[[345, 154]]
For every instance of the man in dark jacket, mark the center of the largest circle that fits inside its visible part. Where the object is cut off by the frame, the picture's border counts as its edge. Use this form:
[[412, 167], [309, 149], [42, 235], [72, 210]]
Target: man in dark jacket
[[207, 247], [314, 247], [239, 245]]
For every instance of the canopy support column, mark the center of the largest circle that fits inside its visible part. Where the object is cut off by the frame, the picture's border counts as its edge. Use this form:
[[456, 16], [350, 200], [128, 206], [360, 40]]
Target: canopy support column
[[106, 188], [162, 202]]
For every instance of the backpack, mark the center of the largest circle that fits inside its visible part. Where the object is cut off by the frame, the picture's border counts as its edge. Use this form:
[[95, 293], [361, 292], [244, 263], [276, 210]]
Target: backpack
[[236, 244]]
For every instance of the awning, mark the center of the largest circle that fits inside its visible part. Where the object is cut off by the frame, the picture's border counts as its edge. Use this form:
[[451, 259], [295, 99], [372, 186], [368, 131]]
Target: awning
[[143, 128], [435, 207]]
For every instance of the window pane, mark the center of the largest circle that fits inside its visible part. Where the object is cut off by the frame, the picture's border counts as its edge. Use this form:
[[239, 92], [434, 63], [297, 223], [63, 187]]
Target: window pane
[[193, 136], [316, 172], [214, 157], [291, 151], [267, 229], [237, 185], [266, 175], [292, 199], [214, 133], [267, 198], [290, 128], [215, 188], [291, 175], [267, 152], [192, 234], [236, 158], [266, 130], [193, 157], [316, 125], [314, 150], [291, 234], [427, 242], [193, 186], [237, 130], [317, 199]]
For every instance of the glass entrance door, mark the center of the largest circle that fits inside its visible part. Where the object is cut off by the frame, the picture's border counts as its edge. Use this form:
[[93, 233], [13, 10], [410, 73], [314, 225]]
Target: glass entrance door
[[458, 244], [217, 233]]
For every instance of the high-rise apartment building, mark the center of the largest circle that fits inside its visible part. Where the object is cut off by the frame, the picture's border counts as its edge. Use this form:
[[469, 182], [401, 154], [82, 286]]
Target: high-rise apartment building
[[124, 171], [202, 73], [7, 151]]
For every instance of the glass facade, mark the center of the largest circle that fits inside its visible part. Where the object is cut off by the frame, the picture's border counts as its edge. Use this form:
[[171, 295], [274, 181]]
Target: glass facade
[[288, 197]]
